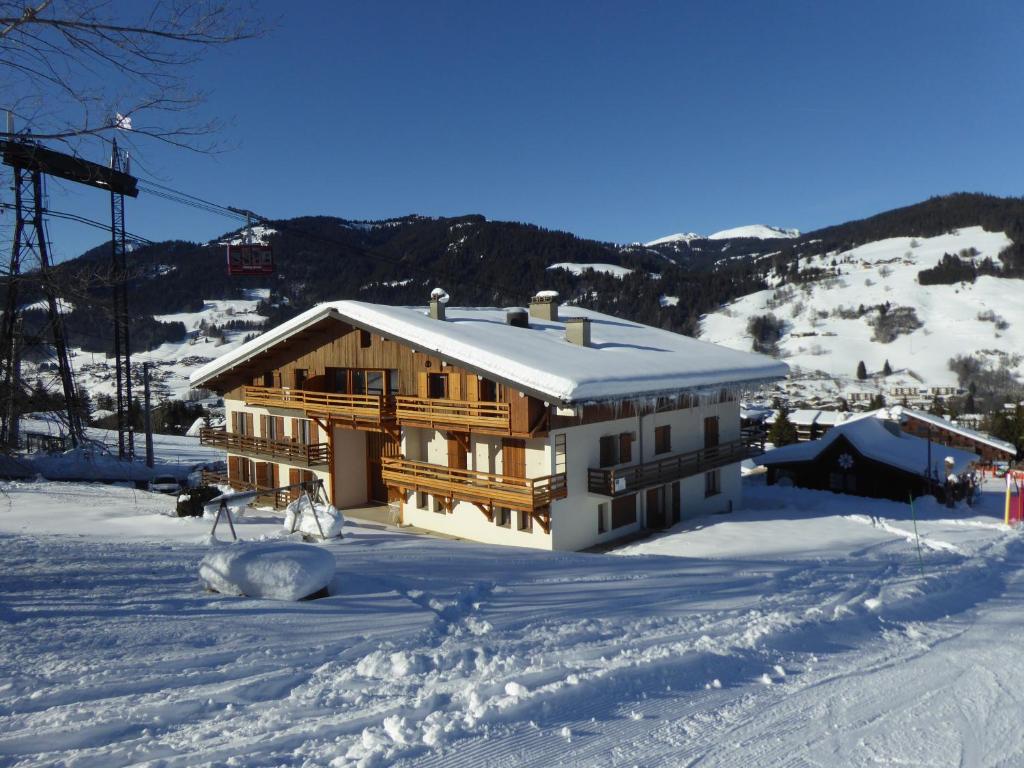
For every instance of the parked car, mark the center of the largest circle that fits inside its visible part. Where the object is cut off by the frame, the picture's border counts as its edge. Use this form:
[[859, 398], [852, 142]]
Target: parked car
[[164, 484]]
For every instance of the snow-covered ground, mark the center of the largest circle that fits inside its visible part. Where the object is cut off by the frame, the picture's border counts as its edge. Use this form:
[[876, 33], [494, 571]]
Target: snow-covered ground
[[961, 319], [802, 630]]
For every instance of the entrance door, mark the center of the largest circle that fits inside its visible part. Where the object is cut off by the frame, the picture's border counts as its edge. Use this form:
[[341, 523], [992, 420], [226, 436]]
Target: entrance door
[[378, 446], [656, 507]]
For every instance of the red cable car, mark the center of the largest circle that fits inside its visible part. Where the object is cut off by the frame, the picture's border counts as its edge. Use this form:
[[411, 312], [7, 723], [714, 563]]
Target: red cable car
[[250, 259]]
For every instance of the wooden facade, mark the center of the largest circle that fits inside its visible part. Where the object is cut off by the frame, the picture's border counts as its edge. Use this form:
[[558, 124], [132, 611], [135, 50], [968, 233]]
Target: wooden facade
[[948, 436], [338, 376], [840, 467]]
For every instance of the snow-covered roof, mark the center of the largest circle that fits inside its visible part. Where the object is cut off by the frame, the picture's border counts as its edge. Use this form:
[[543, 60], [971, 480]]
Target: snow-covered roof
[[873, 438], [625, 359], [900, 412]]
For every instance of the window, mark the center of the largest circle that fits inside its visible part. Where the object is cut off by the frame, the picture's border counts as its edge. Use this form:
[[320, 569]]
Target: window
[[421, 500], [616, 449], [663, 439], [608, 446], [268, 379], [301, 374], [393, 382], [437, 385], [602, 518], [560, 454], [303, 431], [358, 382], [375, 383], [488, 390], [364, 339], [623, 511], [337, 380], [710, 431], [503, 517], [525, 522], [712, 482]]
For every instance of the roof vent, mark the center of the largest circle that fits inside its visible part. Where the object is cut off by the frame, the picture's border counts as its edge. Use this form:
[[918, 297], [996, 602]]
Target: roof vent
[[577, 331], [544, 306], [517, 317], [438, 299]]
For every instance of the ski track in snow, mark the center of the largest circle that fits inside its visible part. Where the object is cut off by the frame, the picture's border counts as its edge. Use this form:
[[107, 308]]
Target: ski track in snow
[[435, 653]]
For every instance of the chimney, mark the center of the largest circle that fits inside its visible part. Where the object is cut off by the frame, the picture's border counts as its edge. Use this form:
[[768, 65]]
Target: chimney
[[517, 317], [544, 306], [438, 299], [577, 331]]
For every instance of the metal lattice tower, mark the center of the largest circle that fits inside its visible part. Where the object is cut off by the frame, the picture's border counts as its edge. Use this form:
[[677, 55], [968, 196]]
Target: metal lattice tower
[[122, 341], [29, 251]]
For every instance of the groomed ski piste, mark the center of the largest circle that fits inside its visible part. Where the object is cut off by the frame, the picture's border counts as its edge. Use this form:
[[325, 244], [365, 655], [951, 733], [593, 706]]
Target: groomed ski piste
[[804, 629]]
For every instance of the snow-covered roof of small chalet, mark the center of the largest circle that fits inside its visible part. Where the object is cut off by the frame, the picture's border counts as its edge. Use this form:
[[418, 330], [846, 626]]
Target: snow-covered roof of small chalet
[[900, 412], [880, 441], [625, 359]]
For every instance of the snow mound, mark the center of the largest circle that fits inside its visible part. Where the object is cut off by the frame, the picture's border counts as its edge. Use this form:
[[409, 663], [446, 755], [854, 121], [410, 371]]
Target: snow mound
[[274, 571], [760, 231], [331, 520]]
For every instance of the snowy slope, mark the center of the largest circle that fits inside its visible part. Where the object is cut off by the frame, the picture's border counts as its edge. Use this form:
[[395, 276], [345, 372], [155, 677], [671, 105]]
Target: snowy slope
[[578, 269], [173, 362], [759, 231], [800, 630], [816, 338]]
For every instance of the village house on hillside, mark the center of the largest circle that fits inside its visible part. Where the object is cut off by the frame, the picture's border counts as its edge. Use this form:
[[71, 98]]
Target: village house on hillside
[[556, 428]]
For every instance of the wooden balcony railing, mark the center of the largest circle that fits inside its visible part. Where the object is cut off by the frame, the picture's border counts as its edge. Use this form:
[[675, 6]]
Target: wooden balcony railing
[[366, 409], [483, 416], [284, 451], [526, 494], [623, 480], [278, 499]]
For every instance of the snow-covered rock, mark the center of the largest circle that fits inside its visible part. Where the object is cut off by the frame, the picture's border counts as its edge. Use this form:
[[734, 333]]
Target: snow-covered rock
[[275, 571], [330, 518]]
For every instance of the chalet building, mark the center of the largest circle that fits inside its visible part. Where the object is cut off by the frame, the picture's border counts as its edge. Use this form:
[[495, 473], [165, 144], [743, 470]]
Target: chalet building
[[866, 457], [554, 428], [943, 432]]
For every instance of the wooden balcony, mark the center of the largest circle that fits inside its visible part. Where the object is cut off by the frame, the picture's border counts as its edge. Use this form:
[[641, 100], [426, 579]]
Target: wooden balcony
[[277, 500], [480, 488], [367, 411], [283, 451], [458, 415], [620, 481]]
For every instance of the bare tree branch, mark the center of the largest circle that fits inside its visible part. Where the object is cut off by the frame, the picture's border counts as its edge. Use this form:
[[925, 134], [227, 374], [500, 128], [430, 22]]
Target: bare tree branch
[[74, 71]]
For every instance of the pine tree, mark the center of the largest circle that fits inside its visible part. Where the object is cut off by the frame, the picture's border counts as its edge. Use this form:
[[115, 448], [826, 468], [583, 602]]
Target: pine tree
[[887, 369], [877, 401], [782, 432], [862, 371]]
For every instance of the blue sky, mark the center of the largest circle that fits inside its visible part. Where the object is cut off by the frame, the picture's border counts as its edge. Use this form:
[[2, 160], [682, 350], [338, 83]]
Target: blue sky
[[619, 121]]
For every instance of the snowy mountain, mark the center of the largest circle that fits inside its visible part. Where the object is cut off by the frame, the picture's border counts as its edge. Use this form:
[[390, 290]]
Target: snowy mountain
[[681, 237], [758, 231], [867, 303]]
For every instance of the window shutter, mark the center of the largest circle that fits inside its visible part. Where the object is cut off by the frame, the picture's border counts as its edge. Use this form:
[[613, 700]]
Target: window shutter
[[607, 450], [249, 424], [421, 384], [264, 426], [279, 427], [472, 387], [455, 386], [234, 468], [513, 457], [625, 447]]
